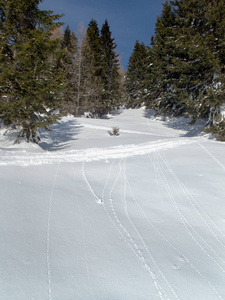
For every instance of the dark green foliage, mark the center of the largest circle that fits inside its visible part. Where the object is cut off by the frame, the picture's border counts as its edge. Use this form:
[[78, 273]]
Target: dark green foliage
[[218, 129], [161, 96], [91, 69], [43, 70], [100, 84], [110, 76], [137, 75], [30, 74], [88, 84], [68, 61], [94, 41], [187, 74]]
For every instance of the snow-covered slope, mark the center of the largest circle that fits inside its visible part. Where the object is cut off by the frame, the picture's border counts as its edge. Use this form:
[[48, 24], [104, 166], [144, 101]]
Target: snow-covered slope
[[89, 216]]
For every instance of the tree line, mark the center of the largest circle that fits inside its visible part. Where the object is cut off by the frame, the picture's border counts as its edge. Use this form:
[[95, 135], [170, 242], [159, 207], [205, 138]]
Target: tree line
[[182, 72], [46, 72]]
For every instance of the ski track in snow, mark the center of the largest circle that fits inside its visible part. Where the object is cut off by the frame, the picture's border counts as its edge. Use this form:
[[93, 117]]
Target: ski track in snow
[[99, 200], [21, 157], [123, 230], [48, 235], [128, 131], [84, 235], [127, 236], [157, 180], [190, 229], [170, 244], [132, 244], [186, 192], [180, 254], [107, 181], [213, 157], [125, 180], [117, 191], [194, 203]]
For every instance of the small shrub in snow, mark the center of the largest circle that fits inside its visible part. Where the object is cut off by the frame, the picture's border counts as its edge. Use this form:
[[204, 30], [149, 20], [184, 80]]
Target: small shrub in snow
[[115, 131]]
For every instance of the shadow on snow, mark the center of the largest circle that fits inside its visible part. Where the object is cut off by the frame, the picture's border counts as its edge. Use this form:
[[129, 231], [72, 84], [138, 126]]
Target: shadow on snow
[[178, 123], [60, 135]]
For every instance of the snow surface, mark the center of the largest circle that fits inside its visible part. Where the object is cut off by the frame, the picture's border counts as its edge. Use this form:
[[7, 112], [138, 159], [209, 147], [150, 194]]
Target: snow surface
[[89, 216]]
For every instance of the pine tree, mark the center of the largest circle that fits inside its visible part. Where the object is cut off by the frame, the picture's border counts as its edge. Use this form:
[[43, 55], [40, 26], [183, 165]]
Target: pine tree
[[30, 76], [136, 75]]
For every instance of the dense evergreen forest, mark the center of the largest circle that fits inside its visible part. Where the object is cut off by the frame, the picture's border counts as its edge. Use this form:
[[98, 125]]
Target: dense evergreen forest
[[182, 72], [47, 72]]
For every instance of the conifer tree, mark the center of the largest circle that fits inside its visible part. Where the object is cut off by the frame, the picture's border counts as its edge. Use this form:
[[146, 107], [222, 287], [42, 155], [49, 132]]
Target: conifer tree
[[188, 59], [96, 70], [94, 41], [136, 75], [94, 62], [70, 49], [160, 96], [110, 76], [199, 69], [89, 86], [30, 76], [80, 70]]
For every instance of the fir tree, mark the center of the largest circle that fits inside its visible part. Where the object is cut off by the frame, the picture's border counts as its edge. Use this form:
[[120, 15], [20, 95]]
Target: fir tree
[[136, 75], [30, 77]]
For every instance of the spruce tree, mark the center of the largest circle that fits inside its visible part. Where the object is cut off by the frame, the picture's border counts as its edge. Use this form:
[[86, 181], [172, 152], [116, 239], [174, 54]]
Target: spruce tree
[[188, 59], [94, 41], [136, 76], [94, 62], [82, 66], [70, 49], [89, 85], [199, 71], [160, 96], [110, 76], [30, 74], [96, 69]]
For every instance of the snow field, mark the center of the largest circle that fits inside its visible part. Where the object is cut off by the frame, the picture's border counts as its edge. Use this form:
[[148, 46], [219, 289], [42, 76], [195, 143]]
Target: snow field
[[116, 222]]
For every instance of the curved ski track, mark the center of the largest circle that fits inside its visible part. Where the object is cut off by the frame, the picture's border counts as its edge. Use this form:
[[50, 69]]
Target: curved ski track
[[132, 236], [25, 159], [165, 172]]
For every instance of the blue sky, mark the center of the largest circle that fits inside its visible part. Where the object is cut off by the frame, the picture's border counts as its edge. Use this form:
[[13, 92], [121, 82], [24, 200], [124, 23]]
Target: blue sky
[[129, 20]]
